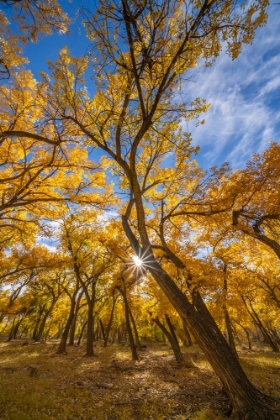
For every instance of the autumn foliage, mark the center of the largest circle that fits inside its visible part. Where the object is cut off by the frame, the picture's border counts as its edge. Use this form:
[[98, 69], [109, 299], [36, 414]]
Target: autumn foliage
[[94, 176]]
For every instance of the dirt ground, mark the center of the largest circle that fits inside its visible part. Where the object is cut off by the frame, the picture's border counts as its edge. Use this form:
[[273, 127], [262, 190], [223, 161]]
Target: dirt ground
[[36, 383]]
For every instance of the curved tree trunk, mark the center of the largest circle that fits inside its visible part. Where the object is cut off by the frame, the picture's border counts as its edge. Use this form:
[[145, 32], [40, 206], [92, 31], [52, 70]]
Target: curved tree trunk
[[248, 403]]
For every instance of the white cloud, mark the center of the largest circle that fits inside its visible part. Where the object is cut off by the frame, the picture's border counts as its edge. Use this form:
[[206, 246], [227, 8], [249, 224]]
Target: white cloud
[[243, 95]]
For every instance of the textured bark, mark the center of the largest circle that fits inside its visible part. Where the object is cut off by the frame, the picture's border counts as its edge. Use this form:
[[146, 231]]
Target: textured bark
[[188, 336], [248, 403]]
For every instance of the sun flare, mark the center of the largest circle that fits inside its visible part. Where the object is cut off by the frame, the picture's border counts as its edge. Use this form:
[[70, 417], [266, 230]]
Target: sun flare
[[137, 261]]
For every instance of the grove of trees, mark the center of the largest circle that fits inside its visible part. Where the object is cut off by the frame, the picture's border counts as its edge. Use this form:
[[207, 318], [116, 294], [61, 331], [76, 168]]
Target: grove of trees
[[93, 157]]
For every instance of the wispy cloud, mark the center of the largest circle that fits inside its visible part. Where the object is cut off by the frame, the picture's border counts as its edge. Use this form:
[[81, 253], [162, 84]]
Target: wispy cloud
[[245, 100]]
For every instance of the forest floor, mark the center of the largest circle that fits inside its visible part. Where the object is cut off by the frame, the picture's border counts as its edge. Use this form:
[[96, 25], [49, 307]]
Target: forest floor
[[38, 384]]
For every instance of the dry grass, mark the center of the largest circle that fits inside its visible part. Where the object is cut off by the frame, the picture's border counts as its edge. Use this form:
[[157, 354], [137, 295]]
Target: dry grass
[[38, 384]]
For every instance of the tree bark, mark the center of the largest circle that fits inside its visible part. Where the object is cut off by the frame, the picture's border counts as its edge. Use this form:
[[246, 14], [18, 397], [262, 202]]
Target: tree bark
[[136, 335], [81, 333], [133, 349], [230, 335], [71, 341], [90, 326], [188, 336], [63, 341], [257, 321], [43, 323], [248, 402], [226, 314], [173, 342], [110, 323]]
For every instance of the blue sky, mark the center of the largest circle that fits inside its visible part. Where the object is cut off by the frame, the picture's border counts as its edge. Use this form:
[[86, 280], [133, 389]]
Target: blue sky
[[245, 100], [244, 94]]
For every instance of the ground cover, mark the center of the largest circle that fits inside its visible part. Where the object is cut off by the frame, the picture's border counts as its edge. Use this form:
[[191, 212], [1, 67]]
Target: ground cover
[[38, 384]]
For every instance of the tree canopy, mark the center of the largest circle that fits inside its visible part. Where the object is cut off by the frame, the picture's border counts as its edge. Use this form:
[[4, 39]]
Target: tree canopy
[[94, 156]]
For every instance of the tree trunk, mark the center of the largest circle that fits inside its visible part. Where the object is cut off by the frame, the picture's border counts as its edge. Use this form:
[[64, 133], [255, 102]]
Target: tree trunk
[[266, 336], [43, 323], [90, 326], [172, 330], [71, 341], [226, 314], [109, 325], [128, 327], [63, 341], [81, 333], [247, 336], [248, 403], [173, 342], [188, 336], [37, 323], [230, 335], [136, 335], [102, 330]]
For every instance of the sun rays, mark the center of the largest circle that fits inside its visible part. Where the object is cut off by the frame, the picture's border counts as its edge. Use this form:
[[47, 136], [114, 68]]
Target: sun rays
[[139, 265]]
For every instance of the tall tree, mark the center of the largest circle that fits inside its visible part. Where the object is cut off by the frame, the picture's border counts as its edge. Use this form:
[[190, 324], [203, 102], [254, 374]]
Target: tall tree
[[141, 52]]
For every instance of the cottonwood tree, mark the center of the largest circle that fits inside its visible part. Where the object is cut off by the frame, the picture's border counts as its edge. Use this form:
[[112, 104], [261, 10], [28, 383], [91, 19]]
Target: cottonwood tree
[[91, 263], [141, 52]]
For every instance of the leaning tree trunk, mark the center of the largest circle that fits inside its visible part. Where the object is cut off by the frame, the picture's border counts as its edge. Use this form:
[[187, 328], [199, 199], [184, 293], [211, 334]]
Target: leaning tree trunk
[[110, 323], [82, 333], [187, 334], [136, 335], [43, 323], [71, 340], [256, 319], [230, 335], [134, 353], [247, 336], [248, 402], [174, 343], [63, 341]]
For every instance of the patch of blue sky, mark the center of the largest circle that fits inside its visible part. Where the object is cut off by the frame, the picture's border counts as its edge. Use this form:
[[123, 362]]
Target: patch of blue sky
[[244, 97]]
